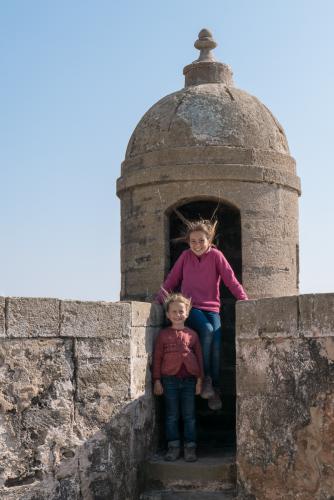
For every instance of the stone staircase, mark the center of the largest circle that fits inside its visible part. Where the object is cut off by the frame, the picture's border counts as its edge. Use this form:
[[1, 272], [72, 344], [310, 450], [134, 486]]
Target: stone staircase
[[213, 477]]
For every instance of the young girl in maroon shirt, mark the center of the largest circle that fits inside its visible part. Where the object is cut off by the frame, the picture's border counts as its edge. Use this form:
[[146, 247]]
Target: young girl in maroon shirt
[[177, 374], [198, 273]]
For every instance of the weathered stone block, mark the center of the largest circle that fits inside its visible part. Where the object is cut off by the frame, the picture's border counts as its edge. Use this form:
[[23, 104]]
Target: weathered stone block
[[2, 317], [95, 319], [36, 398], [246, 324], [32, 317], [267, 318], [317, 315], [144, 314], [253, 362], [142, 340], [140, 377], [103, 380], [277, 317], [279, 457]]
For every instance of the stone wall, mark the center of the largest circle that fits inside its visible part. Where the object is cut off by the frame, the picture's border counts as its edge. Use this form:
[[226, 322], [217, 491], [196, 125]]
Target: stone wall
[[285, 398], [76, 418]]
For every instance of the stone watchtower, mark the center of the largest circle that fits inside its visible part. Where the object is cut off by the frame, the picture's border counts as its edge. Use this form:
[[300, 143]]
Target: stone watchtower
[[210, 150]]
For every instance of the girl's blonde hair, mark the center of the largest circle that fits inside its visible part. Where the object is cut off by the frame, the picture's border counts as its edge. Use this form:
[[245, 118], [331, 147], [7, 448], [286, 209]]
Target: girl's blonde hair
[[176, 297], [204, 225]]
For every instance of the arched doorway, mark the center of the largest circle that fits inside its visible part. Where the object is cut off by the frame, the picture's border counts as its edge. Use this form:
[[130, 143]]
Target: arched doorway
[[215, 428]]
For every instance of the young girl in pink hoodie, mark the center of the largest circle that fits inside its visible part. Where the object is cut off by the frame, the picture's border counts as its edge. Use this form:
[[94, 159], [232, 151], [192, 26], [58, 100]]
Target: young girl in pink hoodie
[[197, 273]]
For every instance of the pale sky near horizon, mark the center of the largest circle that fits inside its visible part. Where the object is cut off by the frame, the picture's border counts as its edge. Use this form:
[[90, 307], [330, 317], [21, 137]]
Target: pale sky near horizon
[[77, 76]]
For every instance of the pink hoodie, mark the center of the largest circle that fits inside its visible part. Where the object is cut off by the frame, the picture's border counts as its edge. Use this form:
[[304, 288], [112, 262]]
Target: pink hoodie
[[199, 279]]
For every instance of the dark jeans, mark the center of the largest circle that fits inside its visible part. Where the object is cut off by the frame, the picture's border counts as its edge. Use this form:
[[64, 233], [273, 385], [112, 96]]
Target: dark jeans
[[179, 393], [208, 326]]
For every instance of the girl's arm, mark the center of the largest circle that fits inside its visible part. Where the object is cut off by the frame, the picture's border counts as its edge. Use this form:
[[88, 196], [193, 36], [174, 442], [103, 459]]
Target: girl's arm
[[229, 279], [173, 279]]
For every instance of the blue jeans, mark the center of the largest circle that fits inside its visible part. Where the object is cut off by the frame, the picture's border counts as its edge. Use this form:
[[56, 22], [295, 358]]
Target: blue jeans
[[208, 326], [180, 393]]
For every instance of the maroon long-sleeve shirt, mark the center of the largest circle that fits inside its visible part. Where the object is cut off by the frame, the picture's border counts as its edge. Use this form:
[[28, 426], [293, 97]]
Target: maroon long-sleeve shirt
[[174, 348], [199, 279]]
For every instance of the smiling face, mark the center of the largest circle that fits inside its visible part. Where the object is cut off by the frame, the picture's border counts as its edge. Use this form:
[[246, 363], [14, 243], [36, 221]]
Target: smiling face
[[177, 314], [199, 242]]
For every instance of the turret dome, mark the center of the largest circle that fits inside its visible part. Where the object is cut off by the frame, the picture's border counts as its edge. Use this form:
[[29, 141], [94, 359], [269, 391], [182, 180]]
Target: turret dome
[[209, 114], [209, 111]]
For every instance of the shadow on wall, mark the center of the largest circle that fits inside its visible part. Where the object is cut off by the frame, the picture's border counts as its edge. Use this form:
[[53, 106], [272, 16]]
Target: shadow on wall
[[77, 417]]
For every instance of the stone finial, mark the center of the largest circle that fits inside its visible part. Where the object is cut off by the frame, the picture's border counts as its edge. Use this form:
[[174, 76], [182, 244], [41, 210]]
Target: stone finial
[[206, 69], [205, 43]]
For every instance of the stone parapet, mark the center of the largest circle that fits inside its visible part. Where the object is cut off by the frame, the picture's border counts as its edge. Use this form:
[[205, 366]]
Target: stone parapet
[[285, 397], [32, 317], [75, 397]]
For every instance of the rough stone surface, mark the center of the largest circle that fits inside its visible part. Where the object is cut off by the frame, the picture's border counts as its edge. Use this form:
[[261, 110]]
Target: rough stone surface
[[317, 314], [32, 317], [285, 398], [146, 314], [2, 317], [76, 414], [94, 319], [37, 390]]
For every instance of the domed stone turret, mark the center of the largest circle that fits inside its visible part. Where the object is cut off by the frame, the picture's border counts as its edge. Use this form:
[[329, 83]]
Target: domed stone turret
[[209, 114], [210, 147]]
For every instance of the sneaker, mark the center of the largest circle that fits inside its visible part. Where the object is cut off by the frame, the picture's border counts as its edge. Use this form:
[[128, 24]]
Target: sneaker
[[207, 389], [190, 454], [172, 453], [215, 403]]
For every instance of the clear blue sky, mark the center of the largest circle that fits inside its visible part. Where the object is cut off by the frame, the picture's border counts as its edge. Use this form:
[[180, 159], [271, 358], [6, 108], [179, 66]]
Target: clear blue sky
[[76, 77]]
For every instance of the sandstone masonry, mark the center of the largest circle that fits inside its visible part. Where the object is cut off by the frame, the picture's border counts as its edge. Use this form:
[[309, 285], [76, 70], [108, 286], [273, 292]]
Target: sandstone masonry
[[285, 398], [76, 405]]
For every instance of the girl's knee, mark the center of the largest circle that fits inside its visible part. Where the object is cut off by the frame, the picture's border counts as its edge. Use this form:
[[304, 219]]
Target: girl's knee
[[207, 330]]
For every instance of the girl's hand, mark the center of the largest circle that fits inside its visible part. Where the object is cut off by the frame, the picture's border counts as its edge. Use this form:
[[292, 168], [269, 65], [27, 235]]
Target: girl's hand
[[198, 387], [158, 390]]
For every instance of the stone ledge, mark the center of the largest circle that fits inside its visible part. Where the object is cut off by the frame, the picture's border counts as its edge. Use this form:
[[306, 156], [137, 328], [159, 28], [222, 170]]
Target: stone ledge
[[267, 318], [32, 317], [283, 317], [195, 172], [210, 154], [94, 319]]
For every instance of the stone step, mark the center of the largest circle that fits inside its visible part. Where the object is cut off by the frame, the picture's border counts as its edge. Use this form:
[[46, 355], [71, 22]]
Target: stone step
[[215, 470], [188, 495]]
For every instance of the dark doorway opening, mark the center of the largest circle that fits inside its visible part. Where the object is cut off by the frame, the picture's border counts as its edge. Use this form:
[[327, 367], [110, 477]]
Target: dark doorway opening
[[216, 429]]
